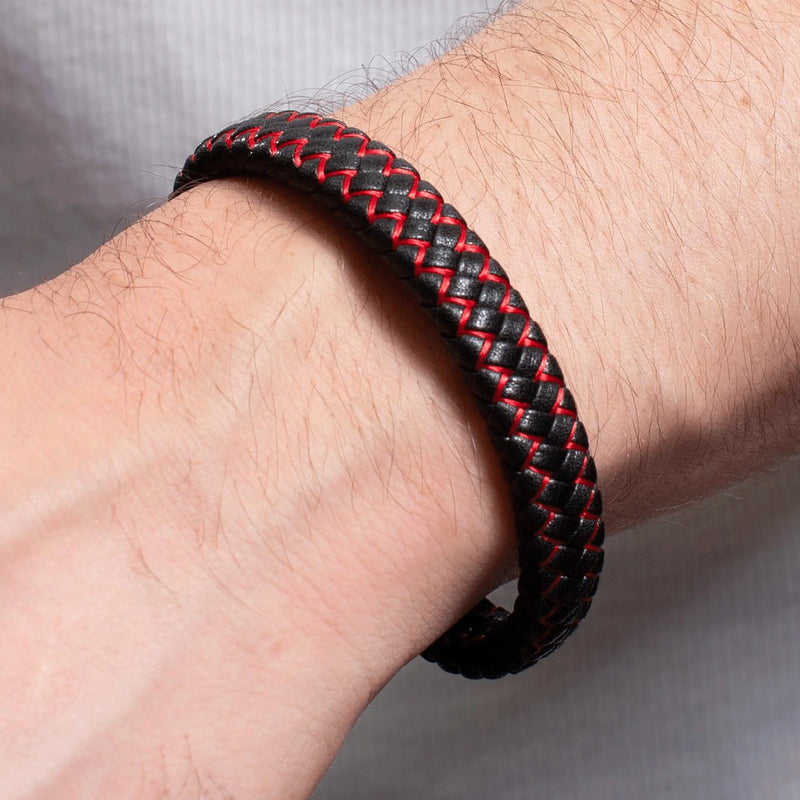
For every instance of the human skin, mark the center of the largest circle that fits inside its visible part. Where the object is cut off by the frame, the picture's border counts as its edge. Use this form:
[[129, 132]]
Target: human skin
[[243, 483]]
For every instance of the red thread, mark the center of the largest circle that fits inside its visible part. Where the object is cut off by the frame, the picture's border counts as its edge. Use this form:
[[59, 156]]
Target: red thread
[[559, 607]]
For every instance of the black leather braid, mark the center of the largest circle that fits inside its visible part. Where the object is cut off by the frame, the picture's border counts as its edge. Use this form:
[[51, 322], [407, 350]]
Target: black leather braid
[[500, 350]]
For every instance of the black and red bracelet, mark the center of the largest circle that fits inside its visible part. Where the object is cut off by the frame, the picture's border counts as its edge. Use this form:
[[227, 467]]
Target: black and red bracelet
[[502, 354]]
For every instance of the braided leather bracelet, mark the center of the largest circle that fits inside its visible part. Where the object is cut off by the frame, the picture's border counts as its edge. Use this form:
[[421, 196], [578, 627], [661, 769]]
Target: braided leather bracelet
[[502, 354]]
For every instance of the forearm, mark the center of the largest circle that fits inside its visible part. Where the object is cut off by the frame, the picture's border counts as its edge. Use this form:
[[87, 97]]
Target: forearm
[[633, 166], [329, 521]]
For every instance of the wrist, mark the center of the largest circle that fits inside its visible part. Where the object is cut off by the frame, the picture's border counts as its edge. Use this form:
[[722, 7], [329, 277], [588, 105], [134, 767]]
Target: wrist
[[279, 521]]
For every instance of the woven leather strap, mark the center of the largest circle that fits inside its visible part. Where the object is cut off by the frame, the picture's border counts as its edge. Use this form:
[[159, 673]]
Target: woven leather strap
[[502, 354]]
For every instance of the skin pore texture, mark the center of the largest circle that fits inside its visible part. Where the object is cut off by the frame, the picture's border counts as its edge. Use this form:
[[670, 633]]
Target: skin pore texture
[[243, 484]]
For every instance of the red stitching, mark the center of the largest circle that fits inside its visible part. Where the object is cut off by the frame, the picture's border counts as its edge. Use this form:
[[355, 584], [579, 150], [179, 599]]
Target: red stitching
[[546, 633]]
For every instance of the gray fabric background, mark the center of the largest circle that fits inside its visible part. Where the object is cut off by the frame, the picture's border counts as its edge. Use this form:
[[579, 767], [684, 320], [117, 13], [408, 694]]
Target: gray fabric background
[[683, 683]]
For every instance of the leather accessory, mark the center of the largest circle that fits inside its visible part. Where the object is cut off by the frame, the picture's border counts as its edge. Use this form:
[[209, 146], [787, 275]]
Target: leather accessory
[[502, 354]]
